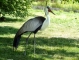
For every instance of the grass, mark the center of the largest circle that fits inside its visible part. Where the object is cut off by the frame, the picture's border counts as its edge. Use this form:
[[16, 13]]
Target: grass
[[60, 41]]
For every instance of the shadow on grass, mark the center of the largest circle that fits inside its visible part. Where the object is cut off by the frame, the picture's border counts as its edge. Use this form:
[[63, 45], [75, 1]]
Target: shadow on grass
[[7, 30], [6, 51], [64, 47], [12, 20]]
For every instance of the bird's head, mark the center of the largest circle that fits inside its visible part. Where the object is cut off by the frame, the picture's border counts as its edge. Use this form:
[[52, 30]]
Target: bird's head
[[47, 10]]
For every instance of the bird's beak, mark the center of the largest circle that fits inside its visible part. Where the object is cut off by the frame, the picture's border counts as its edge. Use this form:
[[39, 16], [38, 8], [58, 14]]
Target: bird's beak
[[51, 11]]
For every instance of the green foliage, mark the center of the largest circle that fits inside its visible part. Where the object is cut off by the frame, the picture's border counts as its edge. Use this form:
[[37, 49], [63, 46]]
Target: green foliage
[[17, 7]]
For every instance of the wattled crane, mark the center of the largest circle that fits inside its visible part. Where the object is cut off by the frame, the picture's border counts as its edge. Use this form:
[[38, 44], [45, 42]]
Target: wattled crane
[[33, 25]]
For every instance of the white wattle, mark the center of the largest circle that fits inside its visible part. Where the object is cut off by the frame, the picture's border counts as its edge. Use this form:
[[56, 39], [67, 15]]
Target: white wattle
[[46, 23]]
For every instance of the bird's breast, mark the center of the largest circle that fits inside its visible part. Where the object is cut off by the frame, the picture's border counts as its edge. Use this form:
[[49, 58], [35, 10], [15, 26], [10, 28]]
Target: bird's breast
[[45, 24]]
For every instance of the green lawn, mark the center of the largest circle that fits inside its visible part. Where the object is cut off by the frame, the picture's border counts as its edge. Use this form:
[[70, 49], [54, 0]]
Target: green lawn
[[60, 41]]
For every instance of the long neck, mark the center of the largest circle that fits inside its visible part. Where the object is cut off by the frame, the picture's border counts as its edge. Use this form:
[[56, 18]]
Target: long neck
[[47, 21], [48, 17]]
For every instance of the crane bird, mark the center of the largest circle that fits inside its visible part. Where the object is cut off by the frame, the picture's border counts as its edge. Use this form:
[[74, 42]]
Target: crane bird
[[33, 25]]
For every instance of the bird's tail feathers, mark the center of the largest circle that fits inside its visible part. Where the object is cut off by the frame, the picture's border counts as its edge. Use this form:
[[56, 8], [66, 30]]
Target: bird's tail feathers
[[17, 37], [16, 41]]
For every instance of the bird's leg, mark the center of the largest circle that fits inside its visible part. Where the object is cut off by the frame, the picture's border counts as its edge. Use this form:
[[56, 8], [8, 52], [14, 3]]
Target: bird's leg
[[34, 44], [14, 49], [28, 38], [27, 42]]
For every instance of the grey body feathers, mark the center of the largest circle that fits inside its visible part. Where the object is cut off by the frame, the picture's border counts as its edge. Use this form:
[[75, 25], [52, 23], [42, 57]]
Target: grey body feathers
[[32, 25]]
